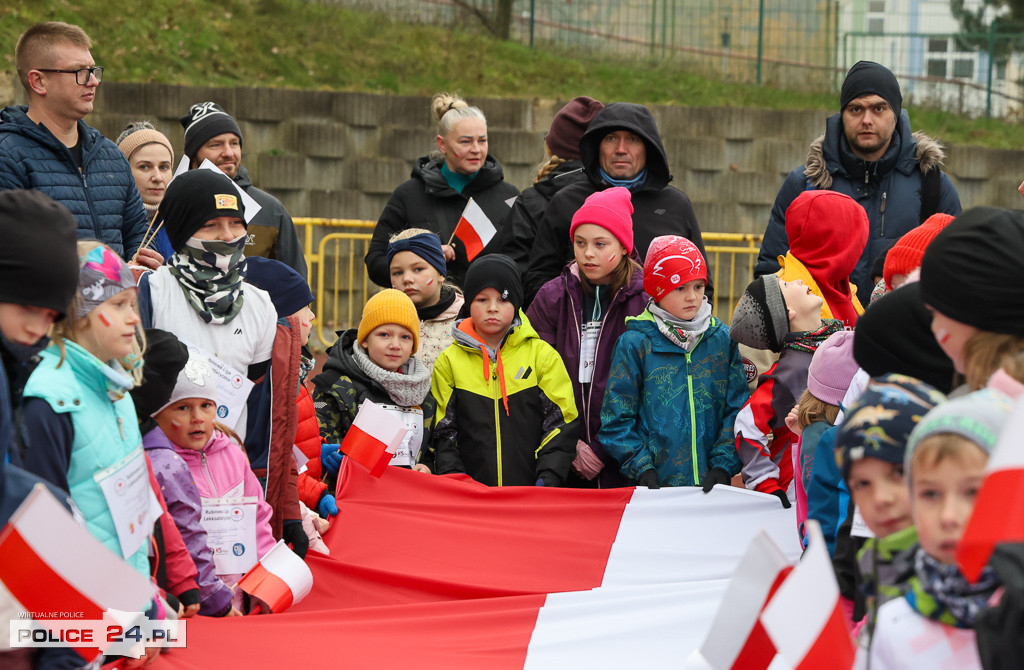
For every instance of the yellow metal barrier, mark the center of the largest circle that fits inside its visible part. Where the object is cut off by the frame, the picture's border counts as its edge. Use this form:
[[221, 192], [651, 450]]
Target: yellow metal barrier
[[335, 248]]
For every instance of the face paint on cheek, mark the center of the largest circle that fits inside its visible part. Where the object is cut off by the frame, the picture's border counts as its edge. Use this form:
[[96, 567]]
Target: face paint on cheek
[[942, 336], [430, 282], [175, 423], [103, 318], [611, 259]]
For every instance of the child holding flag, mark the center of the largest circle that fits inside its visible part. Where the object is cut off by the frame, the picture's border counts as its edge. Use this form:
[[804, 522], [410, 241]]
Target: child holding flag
[[583, 313], [933, 624], [515, 424], [228, 489], [376, 362], [676, 380]]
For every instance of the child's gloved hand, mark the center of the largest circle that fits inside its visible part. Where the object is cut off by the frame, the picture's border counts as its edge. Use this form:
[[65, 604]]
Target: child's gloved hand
[[649, 478], [328, 506], [781, 495], [330, 457], [715, 476], [294, 534]]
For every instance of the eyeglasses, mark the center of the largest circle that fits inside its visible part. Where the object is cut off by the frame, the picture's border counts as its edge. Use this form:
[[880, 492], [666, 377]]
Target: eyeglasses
[[81, 76]]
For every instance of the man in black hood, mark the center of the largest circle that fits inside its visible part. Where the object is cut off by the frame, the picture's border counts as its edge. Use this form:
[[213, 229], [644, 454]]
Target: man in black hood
[[622, 147]]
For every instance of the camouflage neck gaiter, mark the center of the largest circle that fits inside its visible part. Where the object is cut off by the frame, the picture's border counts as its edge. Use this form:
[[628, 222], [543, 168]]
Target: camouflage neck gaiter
[[210, 272]]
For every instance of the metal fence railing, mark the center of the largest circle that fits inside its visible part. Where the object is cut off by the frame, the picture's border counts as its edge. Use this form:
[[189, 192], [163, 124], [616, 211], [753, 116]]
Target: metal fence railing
[[793, 44], [335, 249]]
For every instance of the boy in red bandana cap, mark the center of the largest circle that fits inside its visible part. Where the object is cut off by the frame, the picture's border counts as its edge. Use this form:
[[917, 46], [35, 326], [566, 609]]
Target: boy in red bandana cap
[[676, 380]]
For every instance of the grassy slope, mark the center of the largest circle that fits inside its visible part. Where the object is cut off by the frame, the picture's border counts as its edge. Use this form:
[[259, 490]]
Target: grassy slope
[[291, 43]]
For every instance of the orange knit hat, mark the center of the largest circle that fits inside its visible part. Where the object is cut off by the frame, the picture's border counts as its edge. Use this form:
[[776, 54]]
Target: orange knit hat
[[905, 256]]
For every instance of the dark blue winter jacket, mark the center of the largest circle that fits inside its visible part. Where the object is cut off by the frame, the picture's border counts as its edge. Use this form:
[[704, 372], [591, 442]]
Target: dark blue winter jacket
[[888, 189], [102, 196]]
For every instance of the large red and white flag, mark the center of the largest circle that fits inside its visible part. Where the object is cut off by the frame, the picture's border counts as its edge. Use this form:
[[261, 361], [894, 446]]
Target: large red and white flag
[[998, 514], [51, 567], [373, 438], [280, 578], [444, 572], [737, 639], [805, 618], [474, 229]]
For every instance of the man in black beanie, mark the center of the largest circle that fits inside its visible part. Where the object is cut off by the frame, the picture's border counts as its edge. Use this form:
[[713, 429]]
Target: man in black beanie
[[213, 134], [869, 153]]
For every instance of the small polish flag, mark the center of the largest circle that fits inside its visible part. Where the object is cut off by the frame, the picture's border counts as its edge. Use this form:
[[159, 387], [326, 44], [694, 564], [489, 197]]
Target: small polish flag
[[737, 640], [474, 229], [280, 579], [373, 438], [805, 619], [998, 515], [38, 573]]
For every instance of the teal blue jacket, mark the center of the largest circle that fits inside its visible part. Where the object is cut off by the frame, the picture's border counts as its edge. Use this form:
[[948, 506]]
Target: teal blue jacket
[[105, 431], [671, 410]]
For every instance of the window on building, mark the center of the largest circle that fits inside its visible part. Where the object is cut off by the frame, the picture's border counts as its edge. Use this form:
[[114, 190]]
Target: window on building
[[876, 6], [876, 26], [938, 45], [936, 68], [963, 68]]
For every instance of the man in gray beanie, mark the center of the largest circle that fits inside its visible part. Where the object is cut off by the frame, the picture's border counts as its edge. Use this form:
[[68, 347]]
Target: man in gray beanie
[[213, 134], [869, 153]]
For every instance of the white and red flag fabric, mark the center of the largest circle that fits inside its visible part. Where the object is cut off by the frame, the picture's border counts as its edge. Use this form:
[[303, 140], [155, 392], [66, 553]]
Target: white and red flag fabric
[[373, 438], [474, 229], [737, 639], [998, 514], [805, 619], [280, 578], [51, 565], [444, 572]]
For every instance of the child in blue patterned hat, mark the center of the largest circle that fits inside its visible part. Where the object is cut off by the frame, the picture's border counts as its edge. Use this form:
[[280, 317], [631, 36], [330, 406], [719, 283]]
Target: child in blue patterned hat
[[869, 451], [945, 463]]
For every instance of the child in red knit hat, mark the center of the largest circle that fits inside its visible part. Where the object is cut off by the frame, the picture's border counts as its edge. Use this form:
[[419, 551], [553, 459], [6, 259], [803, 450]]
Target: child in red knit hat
[[905, 256], [676, 381]]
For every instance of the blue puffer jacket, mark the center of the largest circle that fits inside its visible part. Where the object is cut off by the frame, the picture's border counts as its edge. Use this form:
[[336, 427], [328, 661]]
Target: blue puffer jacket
[[888, 189], [103, 196], [671, 410]]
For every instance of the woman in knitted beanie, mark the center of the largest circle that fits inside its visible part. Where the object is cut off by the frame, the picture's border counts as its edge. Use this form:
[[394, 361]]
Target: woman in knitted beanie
[[151, 158]]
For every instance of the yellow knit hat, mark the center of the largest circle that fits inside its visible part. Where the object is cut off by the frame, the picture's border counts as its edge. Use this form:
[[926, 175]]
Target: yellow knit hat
[[390, 306]]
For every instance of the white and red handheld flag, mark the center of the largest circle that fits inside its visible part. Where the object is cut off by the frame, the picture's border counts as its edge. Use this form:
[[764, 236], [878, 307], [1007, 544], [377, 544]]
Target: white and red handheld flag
[[49, 563], [373, 438], [999, 509], [737, 640], [280, 579], [805, 619], [474, 229]]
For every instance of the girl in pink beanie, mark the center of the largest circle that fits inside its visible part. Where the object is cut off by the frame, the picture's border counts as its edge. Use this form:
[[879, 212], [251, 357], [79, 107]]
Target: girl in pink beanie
[[583, 312]]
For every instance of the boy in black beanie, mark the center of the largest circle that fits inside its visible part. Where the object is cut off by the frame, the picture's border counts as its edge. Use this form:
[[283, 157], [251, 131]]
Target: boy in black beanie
[[516, 423]]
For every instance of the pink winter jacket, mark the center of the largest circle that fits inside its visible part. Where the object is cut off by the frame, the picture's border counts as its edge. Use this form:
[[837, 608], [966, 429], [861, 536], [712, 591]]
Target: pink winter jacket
[[222, 468]]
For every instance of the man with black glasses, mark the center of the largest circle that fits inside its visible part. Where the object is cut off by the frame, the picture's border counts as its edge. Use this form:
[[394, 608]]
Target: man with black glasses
[[47, 146]]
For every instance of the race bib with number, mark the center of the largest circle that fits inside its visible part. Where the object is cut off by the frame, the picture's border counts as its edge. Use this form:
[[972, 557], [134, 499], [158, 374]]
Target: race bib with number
[[588, 350], [408, 452]]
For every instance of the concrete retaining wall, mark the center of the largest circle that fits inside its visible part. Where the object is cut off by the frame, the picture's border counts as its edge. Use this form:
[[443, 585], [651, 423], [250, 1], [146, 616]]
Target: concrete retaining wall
[[337, 154]]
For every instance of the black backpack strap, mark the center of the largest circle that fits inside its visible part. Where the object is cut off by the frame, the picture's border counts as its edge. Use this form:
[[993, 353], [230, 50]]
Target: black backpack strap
[[931, 182]]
